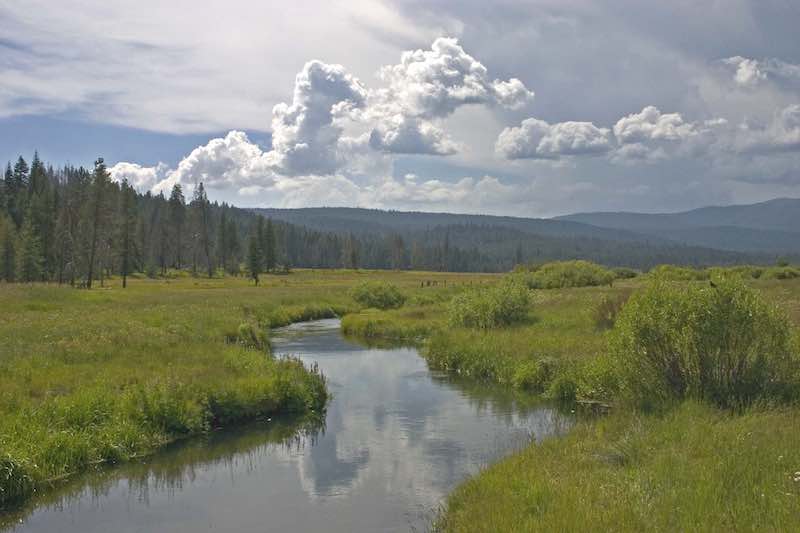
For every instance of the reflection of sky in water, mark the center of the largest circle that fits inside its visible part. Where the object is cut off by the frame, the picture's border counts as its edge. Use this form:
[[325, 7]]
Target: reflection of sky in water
[[396, 440]]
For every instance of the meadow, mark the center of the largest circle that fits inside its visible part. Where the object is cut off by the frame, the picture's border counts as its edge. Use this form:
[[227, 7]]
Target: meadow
[[106, 375], [110, 374], [641, 459]]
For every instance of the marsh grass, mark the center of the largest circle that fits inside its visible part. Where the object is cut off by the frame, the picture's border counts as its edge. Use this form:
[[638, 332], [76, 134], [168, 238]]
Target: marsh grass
[[695, 468], [102, 376]]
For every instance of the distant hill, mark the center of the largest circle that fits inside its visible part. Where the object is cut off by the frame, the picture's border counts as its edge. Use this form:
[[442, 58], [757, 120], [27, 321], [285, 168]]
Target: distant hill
[[371, 221], [767, 227], [496, 242]]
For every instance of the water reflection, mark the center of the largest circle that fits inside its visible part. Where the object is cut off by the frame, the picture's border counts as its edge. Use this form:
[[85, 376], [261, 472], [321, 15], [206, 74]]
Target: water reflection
[[397, 438]]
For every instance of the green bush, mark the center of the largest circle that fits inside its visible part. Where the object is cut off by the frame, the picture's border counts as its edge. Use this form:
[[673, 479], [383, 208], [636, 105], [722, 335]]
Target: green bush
[[625, 273], [490, 307], [780, 272], [561, 274], [378, 294], [722, 343], [679, 273]]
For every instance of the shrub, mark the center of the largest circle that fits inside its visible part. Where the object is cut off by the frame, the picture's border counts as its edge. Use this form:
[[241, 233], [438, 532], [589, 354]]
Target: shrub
[[678, 273], [723, 344], [561, 274], [378, 294], [624, 273], [780, 272], [490, 307]]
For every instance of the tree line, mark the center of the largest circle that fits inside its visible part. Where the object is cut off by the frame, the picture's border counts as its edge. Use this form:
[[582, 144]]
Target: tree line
[[74, 225]]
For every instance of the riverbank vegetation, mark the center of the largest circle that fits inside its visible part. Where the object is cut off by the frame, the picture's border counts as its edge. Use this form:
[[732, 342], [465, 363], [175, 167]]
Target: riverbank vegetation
[[696, 376], [705, 424], [106, 375]]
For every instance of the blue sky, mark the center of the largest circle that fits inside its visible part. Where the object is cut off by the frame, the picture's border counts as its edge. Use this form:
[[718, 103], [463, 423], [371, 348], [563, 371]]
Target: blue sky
[[530, 108]]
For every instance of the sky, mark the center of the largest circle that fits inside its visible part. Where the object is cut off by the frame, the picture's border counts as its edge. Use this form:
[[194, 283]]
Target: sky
[[535, 108]]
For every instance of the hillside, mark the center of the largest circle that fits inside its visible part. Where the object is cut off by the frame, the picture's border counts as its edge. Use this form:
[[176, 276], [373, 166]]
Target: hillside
[[765, 227], [483, 242]]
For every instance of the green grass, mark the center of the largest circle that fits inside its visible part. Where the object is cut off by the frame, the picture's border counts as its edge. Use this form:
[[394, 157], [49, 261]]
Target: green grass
[[102, 376], [693, 469]]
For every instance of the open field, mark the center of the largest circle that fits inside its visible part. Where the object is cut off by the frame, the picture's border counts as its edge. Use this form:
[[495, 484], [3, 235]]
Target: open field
[[693, 467], [109, 374]]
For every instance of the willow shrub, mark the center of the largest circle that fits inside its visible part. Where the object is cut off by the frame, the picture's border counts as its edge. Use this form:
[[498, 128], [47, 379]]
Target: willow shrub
[[378, 294], [722, 343], [563, 274], [490, 307]]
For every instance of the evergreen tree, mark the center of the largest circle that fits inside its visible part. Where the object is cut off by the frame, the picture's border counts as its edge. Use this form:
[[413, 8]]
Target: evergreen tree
[[17, 201], [254, 260], [7, 250], [126, 226], [234, 247], [203, 225], [97, 216], [177, 218], [37, 179], [269, 247], [222, 240], [29, 257]]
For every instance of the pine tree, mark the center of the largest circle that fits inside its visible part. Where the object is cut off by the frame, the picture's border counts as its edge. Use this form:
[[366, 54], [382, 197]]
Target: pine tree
[[97, 214], [254, 260], [126, 226], [177, 218], [269, 246], [37, 179], [202, 212], [7, 249], [222, 240], [17, 202], [29, 257], [234, 247]]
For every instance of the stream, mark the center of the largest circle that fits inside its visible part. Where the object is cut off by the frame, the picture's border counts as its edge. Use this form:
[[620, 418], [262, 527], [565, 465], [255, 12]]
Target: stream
[[396, 439]]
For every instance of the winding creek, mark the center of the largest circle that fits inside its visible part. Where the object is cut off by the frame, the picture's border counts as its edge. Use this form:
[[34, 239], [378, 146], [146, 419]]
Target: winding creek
[[396, 439]]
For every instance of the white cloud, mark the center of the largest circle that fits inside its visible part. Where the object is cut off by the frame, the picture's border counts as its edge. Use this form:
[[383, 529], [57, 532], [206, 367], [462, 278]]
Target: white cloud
[[750, 73], [139, 177], [536, 139], [433, 83], [428, 86], [305, 134], [652, 135], [406, 135], [781, 134]]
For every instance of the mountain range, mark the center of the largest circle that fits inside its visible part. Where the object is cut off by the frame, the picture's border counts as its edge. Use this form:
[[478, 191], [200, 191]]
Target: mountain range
[[754, 233]]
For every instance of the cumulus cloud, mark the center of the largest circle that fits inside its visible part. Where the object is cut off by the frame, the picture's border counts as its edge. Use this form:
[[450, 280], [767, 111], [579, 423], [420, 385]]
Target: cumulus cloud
[[139, 177], [781, 134], [406, 135], [651, 134], [428, 86], [234, 163], [750, 73], [536, 139], [433, 83], [305, 134]]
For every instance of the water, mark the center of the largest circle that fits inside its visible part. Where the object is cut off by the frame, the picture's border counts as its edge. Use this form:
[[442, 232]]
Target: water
[[396, 439]]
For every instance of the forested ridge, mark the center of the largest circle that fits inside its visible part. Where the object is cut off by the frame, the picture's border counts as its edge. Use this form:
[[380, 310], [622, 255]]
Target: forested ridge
[[76, 225]]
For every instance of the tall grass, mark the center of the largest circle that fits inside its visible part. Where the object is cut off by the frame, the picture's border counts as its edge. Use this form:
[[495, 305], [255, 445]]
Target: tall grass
[[693, 469]]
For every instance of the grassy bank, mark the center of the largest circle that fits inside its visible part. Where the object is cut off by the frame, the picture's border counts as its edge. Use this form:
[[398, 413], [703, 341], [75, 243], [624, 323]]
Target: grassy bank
[[689, 466], [693, 469]]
